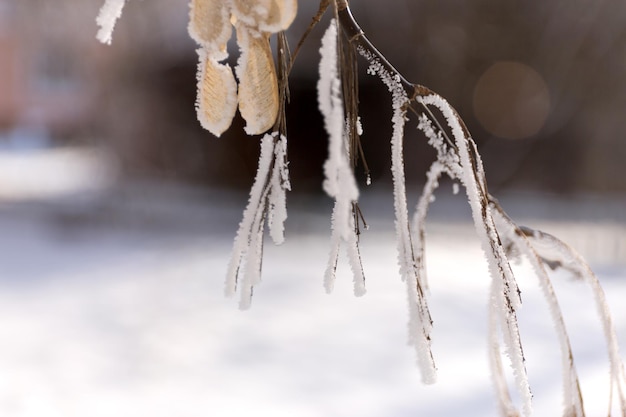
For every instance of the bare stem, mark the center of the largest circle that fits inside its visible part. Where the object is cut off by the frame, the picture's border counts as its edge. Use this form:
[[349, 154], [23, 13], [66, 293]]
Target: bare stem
[[355, 34]]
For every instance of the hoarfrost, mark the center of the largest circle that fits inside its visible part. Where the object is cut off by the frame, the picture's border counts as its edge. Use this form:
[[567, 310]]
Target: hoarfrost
[[339, 181], [506, 406], [267, 202], [279, 185], [511, 236], [420, 322], [419, 219], [460, 160], [554, 252], [359, 126], [110, 11], [258, 100], [354, 258], [469, 170]]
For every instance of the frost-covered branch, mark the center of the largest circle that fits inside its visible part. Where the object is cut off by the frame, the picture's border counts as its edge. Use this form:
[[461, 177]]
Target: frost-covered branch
[[545, 250], [457, 157], [339, 182], [267, 201], [260, 92], [517, 243]]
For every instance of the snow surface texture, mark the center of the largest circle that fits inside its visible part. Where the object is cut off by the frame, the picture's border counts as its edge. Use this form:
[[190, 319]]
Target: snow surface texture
[[123, 317]]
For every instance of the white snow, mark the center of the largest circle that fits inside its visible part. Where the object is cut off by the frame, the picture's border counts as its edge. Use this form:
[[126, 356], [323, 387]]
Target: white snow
[[122, 321], [68, 171], [110, 11]]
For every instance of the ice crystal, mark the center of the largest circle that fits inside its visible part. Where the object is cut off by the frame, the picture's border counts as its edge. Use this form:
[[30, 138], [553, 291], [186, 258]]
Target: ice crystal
[[110, 11]]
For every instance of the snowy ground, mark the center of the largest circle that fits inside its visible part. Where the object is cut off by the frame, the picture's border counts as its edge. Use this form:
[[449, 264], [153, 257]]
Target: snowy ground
[[111, 304]]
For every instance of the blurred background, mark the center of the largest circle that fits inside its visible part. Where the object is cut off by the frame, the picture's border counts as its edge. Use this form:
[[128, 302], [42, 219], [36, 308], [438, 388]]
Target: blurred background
[[540, 87], [117, 211]]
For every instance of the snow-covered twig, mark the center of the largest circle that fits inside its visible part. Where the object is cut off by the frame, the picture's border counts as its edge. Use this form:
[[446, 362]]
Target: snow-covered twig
[[110, 11], [505, 404], [277, 197], [420, 321], [267, 200], [551, 251], [513, 238], [471, 175], [339, 181], [261, 96]]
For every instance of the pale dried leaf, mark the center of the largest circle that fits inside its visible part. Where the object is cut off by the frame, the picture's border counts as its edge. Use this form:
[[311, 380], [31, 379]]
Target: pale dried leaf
[[209, 23], [281, 15], [258, 85], [217, 94], [266, 15]]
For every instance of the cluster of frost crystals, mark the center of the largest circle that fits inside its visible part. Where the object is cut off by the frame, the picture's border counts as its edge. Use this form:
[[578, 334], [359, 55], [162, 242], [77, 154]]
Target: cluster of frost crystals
[[267, 200], [339, 181], [110, 11], [445, 156]]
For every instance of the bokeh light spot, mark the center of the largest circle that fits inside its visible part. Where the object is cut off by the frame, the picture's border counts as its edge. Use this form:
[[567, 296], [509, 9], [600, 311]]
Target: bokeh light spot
[[511, 100]]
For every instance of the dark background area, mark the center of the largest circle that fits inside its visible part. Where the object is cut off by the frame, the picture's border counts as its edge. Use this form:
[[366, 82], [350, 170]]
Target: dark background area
[[142, 89]]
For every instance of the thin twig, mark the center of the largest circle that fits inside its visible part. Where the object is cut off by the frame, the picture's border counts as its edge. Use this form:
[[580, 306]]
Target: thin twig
[[314, 21]]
